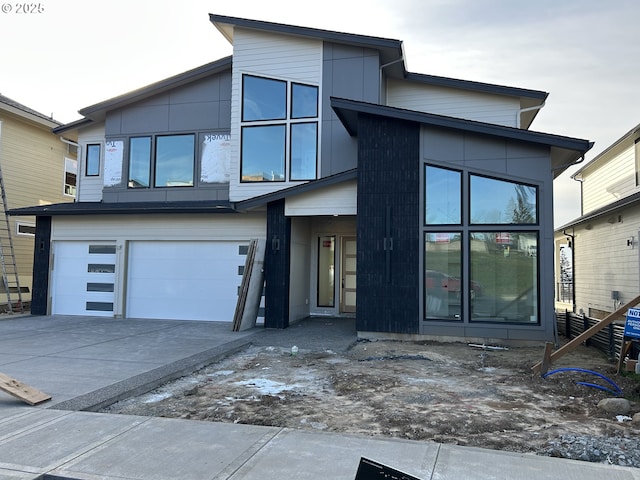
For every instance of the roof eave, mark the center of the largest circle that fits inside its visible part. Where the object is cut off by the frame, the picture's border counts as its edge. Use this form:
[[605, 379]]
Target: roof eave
[[129, 208], [391, 49], [28, 116], [98, 110], [565, 151]]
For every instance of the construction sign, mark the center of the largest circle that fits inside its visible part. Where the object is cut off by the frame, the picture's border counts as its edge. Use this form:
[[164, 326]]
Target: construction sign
[[632, 325]]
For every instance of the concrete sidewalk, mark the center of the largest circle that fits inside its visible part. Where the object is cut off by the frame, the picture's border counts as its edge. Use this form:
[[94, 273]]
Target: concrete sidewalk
[[87, 362]]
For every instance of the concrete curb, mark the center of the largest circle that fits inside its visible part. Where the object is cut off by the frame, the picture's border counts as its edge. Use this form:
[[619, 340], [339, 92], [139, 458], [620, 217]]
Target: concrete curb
[[145, 382]]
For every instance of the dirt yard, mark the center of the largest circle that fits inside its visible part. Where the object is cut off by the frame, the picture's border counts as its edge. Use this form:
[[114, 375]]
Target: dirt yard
[[449, 393]]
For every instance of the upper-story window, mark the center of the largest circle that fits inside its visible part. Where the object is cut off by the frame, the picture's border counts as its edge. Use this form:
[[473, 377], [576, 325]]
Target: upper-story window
[[70, 176], [92, 166], [279, 130], [496, 201], [167, 159]]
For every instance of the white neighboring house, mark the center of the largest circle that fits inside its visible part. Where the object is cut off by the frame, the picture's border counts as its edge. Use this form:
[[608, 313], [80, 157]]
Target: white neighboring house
[[605, 239]]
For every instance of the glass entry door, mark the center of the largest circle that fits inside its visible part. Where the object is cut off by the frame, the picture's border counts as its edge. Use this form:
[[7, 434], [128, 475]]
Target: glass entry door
[[348, 284]]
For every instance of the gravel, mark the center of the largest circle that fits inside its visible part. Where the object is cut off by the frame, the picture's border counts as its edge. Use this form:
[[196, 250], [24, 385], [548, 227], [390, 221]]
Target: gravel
[[622, 451]]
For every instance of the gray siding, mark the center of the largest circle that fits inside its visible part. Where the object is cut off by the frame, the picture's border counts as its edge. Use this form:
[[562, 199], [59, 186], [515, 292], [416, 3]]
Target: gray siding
[[200, 107], [352, 73]]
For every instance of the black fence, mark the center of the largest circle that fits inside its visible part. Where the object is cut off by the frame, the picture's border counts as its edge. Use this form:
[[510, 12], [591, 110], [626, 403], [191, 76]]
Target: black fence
[[609, 339], [564, 292]]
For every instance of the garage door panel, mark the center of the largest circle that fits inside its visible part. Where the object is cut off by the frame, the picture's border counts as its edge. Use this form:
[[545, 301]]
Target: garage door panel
[[183, 280], [83, 278]]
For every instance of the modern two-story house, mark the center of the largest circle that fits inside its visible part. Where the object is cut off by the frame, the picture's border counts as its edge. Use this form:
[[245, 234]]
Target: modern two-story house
[[37, 168], [604, 240], [420, 204]]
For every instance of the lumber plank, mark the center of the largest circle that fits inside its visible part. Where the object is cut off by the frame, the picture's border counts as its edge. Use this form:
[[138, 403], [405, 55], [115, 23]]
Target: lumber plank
[[546, 360], [590, 332], [624, 349], [22, 391]]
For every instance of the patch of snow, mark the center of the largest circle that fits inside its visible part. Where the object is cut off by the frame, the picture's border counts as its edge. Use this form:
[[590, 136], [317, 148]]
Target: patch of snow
[[157, 397], [267, 387], [221, 373]]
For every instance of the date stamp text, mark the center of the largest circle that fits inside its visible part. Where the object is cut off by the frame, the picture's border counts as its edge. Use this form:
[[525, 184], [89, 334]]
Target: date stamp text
[[22, 8]]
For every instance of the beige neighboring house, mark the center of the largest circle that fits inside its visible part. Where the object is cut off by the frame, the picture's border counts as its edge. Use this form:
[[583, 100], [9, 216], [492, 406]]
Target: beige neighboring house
[[38, 168], [604, 246]]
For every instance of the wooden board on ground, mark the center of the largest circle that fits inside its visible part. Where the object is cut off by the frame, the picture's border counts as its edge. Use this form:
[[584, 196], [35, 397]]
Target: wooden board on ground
[[587, 334], [22, 391]]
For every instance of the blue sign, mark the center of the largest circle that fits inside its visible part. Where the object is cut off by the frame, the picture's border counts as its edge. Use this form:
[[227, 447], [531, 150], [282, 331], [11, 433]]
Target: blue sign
[[632, 325]]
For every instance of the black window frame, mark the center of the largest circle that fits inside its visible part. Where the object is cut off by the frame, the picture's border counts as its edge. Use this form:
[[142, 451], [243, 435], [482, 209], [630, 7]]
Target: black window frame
[[89, 147], [466, 229], [153, 160], [288, 121]]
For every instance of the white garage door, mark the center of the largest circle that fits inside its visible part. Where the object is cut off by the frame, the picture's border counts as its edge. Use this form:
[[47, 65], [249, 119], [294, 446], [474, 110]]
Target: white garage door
[[183, 280], [83, 278]]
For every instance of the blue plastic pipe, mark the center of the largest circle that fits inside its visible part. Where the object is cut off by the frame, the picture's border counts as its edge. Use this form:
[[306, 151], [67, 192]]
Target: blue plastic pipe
[[617, 391]]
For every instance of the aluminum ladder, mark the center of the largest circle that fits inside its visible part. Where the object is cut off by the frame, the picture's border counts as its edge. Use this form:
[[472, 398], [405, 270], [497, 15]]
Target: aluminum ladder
[[10, 280]]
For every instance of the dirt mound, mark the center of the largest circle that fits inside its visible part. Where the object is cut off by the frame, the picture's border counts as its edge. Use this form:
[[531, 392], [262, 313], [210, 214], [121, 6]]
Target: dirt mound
[[449, 393]]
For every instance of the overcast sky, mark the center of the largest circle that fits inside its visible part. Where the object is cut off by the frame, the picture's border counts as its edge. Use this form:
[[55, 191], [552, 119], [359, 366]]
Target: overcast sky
[[69, 54]]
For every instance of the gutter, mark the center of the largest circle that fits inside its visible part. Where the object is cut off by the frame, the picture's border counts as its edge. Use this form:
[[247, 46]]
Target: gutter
[[528, 109], [382, 67]]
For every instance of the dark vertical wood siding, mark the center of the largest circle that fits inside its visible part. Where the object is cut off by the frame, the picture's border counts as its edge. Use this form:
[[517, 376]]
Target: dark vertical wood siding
[[276, 267], [388, 206], [41, 255]]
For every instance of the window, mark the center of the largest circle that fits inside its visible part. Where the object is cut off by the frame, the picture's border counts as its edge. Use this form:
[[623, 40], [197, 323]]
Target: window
[[26, 229], [168, 159], [139, 162], [263, 99], [279, 130], [174, 162], [70, 176], [500, 202], [504, 278], [304, 151], [93, 161], [442, 275], [326, 271], [263, 149], [443, 199], [497, 222]]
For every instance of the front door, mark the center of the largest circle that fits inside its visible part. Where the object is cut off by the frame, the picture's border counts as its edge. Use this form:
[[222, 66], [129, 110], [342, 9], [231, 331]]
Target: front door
[[348, 284]]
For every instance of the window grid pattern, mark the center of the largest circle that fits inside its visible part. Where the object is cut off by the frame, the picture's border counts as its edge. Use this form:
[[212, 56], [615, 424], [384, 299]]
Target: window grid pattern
[[481, 237], [279, 131]]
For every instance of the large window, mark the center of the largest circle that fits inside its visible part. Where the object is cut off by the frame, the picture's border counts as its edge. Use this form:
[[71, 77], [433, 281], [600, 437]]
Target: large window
[[175, 157], [279, 130], [442, 275], [443, 196], [504, 276], [169, 160], [498, 202], [92, 165], [496, 222]]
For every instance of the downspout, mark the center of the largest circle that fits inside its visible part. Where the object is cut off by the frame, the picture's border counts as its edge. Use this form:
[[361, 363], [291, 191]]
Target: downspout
[[382, 67], [79, 156], [573, 266], [528, 109]]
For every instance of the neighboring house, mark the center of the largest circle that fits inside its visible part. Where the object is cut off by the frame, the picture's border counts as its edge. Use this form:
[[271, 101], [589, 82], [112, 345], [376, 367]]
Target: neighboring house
[[421, 196], [604, 240], [38, 168]]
